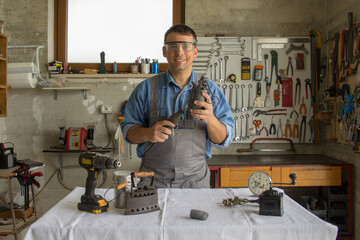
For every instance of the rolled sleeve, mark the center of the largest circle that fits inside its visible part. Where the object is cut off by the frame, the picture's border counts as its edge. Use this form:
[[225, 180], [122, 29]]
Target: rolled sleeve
[[228, 140]]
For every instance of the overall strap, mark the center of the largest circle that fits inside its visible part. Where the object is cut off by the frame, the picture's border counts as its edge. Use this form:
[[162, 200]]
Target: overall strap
[[154, 97]]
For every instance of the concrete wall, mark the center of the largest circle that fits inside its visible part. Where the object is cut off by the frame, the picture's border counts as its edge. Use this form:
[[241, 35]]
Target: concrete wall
[[34, 116]]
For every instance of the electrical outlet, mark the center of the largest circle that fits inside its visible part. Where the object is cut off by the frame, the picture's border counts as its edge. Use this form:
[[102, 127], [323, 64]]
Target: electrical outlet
[[106, 109]]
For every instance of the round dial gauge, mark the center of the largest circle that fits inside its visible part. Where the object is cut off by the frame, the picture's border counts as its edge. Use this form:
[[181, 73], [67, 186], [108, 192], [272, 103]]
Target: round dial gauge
[[259, 182]]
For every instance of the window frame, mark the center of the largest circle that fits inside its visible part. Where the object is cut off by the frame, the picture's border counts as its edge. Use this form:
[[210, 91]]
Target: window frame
[[60, 36]]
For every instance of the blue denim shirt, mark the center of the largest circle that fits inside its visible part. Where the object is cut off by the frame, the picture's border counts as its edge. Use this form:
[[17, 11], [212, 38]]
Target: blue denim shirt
[[171, 99]]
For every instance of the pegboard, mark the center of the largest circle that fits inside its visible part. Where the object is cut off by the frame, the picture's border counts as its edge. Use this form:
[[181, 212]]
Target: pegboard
[[238, 52], [342, 103]]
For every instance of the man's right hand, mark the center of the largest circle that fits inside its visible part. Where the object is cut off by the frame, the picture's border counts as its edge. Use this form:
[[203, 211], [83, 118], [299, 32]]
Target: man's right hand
[[159, 132]]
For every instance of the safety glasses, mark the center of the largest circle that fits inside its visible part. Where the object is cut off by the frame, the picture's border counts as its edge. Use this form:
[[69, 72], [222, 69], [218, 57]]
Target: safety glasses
[[175, 46]]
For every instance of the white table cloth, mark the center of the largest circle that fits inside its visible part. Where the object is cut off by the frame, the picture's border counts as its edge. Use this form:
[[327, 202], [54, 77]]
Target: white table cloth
[[172, 222]]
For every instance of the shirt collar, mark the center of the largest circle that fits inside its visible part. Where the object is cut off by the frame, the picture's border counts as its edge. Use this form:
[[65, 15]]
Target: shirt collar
[[169, 79]]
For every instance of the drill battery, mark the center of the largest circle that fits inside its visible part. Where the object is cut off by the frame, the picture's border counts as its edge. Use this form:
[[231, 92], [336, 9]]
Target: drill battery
[[93, 204]]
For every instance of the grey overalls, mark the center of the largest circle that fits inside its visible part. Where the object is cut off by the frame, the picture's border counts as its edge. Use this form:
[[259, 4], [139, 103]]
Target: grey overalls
[[180, 161]]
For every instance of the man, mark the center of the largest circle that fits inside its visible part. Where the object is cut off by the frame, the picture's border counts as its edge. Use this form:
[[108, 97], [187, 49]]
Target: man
[[177, 154]]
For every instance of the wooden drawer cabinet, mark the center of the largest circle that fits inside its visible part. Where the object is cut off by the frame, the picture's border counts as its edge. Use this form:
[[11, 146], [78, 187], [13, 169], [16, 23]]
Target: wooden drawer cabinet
[[307, 175], [313, 175]]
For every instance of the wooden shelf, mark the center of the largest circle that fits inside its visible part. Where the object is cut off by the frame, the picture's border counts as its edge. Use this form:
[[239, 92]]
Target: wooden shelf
[[56, 89], [2, 59]]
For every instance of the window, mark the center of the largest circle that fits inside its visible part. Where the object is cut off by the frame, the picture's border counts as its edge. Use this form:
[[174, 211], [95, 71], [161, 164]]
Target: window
[[75, 30]]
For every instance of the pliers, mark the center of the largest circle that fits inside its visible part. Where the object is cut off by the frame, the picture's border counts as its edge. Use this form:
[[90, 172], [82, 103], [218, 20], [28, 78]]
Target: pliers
[[268, 112], [294, 111], [302, 106], [288, 127], [272, 129], [267, 132], [279, 130], [298, 87], [290, 65], [303, 133], [296, 128], [307, 86]]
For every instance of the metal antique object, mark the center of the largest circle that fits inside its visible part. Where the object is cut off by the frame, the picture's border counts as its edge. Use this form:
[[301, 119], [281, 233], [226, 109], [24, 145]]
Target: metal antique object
[[141, 199]]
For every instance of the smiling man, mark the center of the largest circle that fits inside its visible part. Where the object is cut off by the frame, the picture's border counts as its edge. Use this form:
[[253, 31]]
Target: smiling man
[[177, 156]]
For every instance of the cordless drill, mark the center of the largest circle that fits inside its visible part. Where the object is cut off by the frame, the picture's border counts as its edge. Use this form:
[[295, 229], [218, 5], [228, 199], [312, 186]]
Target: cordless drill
[[94, 163]]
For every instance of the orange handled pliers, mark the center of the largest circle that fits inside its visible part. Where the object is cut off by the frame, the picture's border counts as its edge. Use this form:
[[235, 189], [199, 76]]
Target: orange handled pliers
[[288, 128]]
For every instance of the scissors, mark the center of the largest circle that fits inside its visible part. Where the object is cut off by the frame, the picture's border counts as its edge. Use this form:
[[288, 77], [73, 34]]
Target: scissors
[[257, 123]]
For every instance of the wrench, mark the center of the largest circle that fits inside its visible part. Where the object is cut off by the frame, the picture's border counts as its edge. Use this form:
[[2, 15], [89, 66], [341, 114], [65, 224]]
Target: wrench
[[231, 101], [243, 108], [211, 66], [247, 136], [249, 98], [215, 75], [224, 86], [236, 138], [237, 108], [221, 70], [241, 127], [266, 57], [226, 58]]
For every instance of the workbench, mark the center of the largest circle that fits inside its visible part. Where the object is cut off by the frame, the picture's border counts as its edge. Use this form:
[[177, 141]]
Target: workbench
[[313, 170], [65, 221], [20, 218]]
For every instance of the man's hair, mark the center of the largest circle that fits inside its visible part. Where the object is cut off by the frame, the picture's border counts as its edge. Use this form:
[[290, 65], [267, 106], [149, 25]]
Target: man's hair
[[182, 29]]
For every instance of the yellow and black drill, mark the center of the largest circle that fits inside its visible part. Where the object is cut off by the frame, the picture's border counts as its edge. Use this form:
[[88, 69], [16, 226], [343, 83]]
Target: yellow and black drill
[[94, 163]]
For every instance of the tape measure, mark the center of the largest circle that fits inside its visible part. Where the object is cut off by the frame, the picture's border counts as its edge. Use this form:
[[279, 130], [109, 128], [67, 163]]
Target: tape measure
[[232, 78], [245, 69]]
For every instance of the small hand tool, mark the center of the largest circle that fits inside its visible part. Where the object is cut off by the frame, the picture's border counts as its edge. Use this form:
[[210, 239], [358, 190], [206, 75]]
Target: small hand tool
[[294, 111], [257, 123], [295, 130], [266, 57], [258, 102], [290, 66], [267, 98], [297, 91], [274, 64], [269, 112], [307, 87], [264, 128], [302, 106], [302, 130], [279, 131], [272, 129], [288, 128]]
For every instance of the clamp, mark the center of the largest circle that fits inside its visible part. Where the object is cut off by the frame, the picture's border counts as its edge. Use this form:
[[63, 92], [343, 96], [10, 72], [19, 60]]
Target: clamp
[[298, 87], [272, 129], [294, 111], [295, 130], [307, 86], [264, 128], [303, 133], [302, 106], [291, 66], [269, 112], [279, 130], [288, 127]]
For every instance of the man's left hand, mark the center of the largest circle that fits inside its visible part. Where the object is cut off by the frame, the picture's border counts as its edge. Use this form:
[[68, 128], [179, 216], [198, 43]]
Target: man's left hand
[[206, 114]]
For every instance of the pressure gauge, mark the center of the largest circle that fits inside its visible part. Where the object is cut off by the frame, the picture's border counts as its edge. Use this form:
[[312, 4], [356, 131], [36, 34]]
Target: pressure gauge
[[259, 182]]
